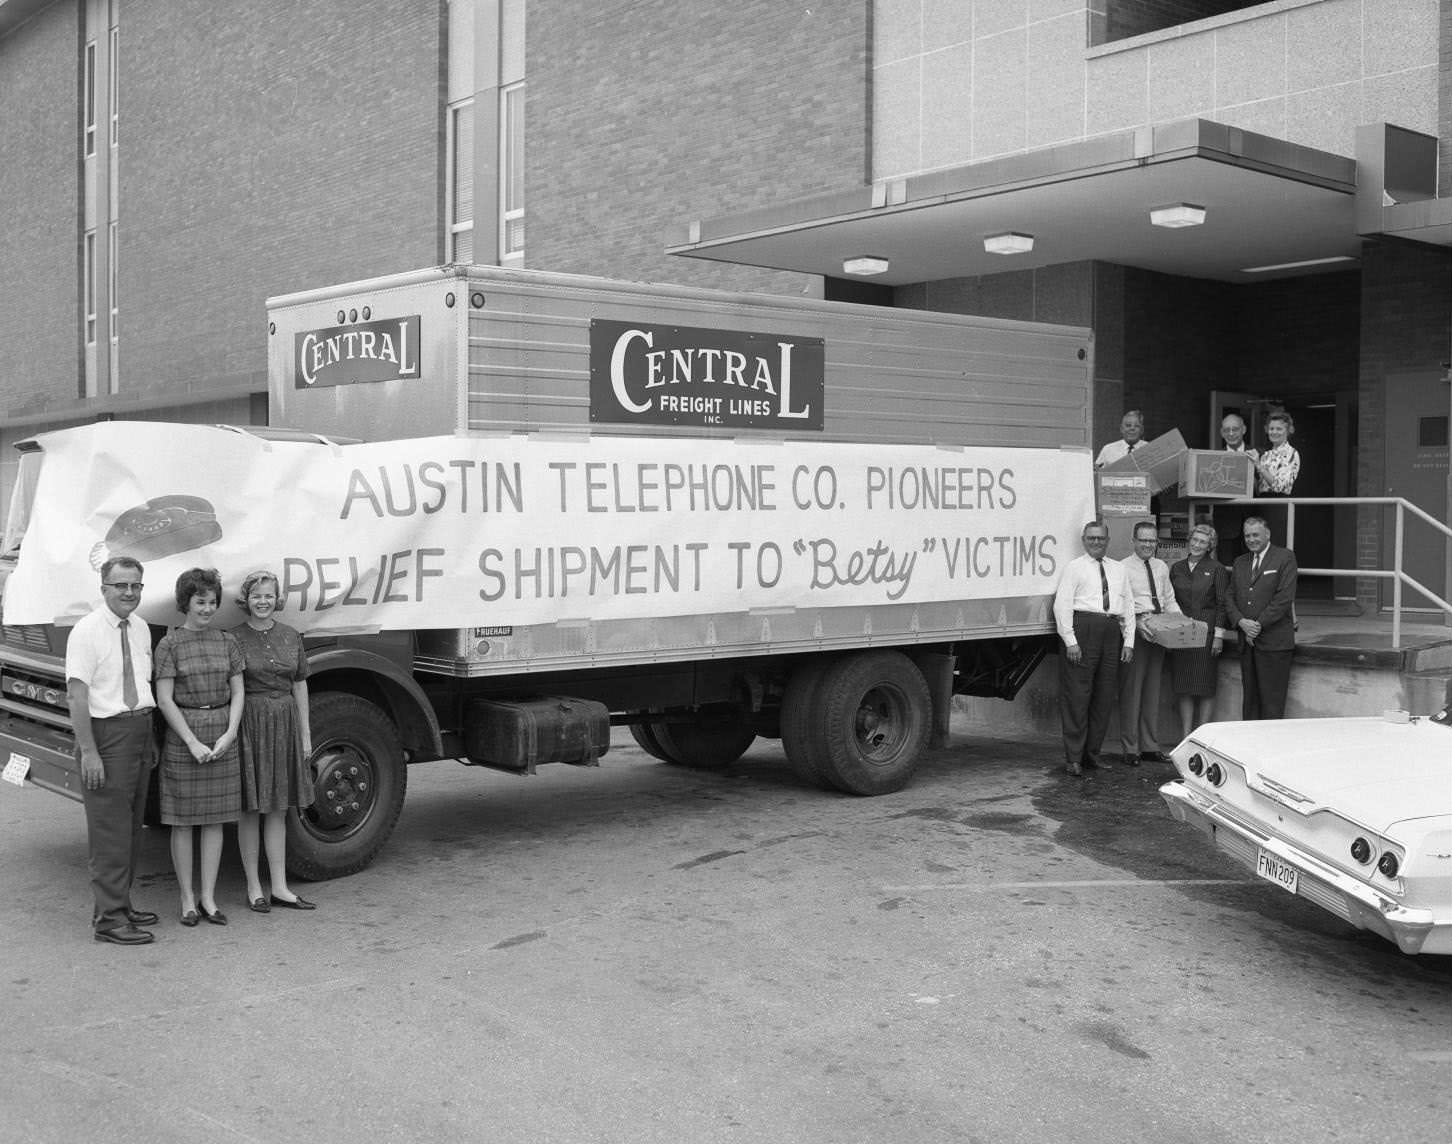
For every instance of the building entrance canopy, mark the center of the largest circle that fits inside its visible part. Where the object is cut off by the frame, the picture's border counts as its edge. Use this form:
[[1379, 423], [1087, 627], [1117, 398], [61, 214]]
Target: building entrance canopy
[[1267, 204]]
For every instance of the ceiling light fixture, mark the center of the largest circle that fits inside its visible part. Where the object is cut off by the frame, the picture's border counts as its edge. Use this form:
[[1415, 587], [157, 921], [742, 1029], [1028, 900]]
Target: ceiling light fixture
[[1297, 265], [1178, 214], [1010, 242], [865, 266]]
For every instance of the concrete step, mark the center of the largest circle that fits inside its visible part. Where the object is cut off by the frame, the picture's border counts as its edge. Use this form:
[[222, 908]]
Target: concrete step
[[1426, 692]]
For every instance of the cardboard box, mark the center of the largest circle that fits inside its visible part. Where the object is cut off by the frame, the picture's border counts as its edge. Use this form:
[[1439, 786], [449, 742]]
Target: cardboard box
[[1159, 458], [1209, 473], [1175, 631]]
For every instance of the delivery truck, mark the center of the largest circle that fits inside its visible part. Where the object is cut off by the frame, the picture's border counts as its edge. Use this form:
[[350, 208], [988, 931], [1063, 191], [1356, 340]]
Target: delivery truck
[[512, 510]]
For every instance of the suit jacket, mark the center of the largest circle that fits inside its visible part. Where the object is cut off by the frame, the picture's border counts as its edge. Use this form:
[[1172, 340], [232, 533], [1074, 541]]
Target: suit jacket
[[1266, 598], [1201, 593]]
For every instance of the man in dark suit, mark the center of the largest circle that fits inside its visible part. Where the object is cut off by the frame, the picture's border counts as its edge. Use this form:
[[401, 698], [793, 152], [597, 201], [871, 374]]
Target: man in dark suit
[[1262, 592]]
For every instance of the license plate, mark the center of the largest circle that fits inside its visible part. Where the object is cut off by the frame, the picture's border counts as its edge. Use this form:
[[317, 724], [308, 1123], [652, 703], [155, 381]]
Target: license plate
[[1272, 869]]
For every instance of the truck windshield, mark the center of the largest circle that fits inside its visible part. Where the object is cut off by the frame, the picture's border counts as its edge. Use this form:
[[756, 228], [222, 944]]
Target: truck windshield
[[22, 500]]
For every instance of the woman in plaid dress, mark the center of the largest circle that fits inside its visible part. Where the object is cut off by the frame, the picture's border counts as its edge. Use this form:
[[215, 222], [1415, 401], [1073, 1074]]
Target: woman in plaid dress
[[276, 740], [199, 691]]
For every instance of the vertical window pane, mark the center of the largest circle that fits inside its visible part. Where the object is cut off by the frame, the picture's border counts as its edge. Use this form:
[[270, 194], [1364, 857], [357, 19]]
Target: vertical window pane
[[511, 170], [90, 99], [89, 273], [115, 87]]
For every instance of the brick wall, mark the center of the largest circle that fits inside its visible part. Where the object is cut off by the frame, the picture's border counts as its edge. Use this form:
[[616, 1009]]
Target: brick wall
[[266, 149], [643, 115], [1444, 105], [40, 336]]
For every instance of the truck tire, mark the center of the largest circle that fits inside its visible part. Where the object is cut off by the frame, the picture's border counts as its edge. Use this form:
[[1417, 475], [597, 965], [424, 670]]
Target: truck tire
[[715, 738], [359, 782], [875, 712], [644, 736], [801, 738]]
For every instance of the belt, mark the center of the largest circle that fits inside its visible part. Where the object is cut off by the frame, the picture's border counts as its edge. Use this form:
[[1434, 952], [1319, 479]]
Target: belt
[[200, 706], [1101, 615], [135, 714]]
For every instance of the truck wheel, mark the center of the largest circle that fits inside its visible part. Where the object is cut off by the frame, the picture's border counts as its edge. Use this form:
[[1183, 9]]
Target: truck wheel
[[800, 737], [644, 736], [875, 713], [359, 783], [716, 737]]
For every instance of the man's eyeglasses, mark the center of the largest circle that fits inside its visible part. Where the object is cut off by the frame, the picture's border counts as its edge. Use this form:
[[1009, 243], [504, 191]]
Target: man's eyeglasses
[[125, 587]]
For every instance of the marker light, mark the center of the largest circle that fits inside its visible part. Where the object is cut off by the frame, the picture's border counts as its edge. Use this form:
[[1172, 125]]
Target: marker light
[[1388, 865], [1197, 764], [1361, 851], [1215, 773]]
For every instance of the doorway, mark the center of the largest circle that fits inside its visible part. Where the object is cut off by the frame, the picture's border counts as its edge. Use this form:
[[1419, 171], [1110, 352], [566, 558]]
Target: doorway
[[1417, 418]]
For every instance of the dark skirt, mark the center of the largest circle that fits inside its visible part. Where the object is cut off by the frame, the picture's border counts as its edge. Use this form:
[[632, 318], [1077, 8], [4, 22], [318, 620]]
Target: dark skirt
[[275, 775], [200, 794], [1194, 671]]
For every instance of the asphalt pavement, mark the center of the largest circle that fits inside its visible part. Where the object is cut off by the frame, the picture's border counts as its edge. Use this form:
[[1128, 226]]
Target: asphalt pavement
[[643, 953]]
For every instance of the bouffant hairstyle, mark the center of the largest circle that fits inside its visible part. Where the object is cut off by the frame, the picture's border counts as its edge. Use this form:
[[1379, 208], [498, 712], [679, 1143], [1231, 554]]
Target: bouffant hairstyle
[[196, 582], [1285, 418], [1207, 531], [249, 585]]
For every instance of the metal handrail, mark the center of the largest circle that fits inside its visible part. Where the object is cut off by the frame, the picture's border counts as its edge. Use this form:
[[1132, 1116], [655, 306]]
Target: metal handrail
[[1398, 577]]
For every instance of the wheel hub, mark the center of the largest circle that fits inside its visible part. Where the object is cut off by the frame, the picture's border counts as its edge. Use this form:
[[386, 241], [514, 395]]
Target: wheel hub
[[345, 786]]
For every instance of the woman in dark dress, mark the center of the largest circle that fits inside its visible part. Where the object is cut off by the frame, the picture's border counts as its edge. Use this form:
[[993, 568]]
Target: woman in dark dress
[[198, 673], [1200, 583], [276, 741]]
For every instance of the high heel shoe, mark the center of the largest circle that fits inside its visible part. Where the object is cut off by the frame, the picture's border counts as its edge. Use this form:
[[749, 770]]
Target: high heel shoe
[[190, 918], [216, 917]]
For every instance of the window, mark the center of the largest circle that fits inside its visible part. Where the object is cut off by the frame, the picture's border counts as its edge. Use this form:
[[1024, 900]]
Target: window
[[115, 89], [90, 97], [88, 270], [115, 310], [461, 183], [511, 172]]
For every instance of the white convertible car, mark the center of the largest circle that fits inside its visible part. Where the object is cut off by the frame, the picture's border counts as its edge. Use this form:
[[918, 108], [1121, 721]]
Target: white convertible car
[[1354, 815]]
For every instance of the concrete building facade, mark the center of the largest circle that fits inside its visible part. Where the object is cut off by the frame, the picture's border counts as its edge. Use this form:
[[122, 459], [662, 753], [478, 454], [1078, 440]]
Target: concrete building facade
[[165, 167]]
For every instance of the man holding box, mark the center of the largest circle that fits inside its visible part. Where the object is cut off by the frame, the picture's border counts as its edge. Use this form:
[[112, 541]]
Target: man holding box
[[1139, 681]]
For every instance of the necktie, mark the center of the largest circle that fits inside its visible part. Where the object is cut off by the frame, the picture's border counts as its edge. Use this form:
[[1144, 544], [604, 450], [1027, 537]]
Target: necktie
[[1104, 583], [1255, 565], [128, 673], [1132, 444], [1154, 596]]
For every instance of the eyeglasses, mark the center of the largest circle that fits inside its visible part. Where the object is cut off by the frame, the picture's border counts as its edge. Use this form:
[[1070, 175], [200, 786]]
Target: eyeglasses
[[124, 586]]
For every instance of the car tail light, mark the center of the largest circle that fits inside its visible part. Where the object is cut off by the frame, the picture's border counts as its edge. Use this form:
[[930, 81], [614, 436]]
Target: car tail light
[[1389, 865], [1196, 764], [1361, 851], [1215, 774]]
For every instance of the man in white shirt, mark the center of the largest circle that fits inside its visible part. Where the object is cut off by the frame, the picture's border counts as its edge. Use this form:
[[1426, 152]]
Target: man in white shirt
[[1131, 436], [1230, 519], [1094, 615], [1139, 683], [108, 689]]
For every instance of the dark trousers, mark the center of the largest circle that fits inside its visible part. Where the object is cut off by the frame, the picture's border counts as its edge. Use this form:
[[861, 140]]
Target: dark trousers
[[1087, 689], [1265, 677], [114, 812], [1139, 699]]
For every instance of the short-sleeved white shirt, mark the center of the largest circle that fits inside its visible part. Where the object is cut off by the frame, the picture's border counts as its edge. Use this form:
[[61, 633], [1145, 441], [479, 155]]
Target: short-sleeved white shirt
[[93, 655]]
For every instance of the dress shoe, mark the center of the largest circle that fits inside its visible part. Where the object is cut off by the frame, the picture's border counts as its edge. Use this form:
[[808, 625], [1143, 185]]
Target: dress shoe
[[1155, 757], [1129, 759], [141, 917], [1096, 763], [296, 904], [216, 917], [125, 935], [190, 918], [258, 905], [1075, 770]]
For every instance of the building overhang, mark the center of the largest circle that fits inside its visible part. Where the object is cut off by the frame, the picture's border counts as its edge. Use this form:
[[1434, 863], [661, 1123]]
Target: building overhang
[[1268, 204], [13, 13]]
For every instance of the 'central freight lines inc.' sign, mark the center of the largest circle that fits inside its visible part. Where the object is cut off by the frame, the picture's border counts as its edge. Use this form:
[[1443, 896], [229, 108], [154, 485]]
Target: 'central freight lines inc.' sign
[[385, 350], [678, 375]]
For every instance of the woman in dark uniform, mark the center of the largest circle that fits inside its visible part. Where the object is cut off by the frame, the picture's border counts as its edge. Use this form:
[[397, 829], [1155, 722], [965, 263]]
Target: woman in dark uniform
[[1200, 583], [199, 692], [276, 740]]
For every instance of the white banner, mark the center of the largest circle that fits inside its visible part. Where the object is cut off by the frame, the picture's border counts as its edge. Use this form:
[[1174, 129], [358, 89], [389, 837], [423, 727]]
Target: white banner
[[449, 532]]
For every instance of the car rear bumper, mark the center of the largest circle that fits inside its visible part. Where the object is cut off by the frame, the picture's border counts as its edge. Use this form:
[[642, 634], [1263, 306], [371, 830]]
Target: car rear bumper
[[1413, 930], [49, 751]]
